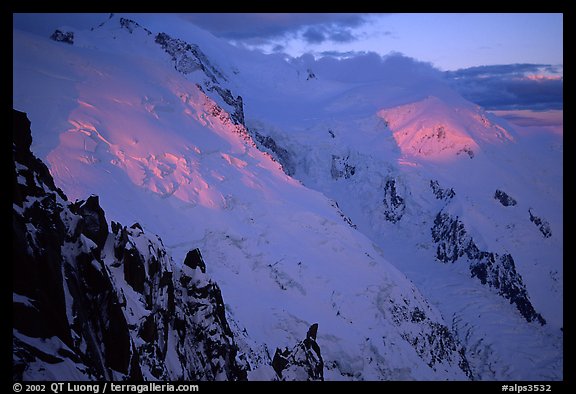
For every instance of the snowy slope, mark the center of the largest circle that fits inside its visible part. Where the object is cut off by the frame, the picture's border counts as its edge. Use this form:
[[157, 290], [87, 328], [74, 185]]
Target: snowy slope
[[396, 152], [124, 123], [362, 128], [153, 128]]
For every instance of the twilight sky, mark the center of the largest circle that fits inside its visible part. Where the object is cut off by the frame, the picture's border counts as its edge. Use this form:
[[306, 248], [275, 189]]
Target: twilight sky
[[501, 61], [448, 41]]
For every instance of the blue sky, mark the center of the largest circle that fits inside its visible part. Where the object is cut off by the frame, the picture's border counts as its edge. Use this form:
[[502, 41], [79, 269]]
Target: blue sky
[[501, 61]]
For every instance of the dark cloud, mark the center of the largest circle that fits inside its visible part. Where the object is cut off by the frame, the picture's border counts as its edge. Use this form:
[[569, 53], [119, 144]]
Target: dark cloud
[[266, 25], [332, 32], [260, 29], [342, 36], [314, 35], [511, 86], [496, 70], [278, 48]]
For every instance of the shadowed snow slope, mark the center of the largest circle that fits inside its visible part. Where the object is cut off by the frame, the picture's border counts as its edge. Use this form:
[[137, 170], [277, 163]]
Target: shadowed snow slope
[[193, 139]]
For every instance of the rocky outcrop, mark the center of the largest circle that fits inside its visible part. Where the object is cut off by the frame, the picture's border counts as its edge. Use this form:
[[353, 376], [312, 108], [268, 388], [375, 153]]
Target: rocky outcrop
[[466, 150], [61, 280], [302, 362], [440, 193], [187, 57], [194, 260], [131, 25], [341, 168], [281, 155], [542, 224], [451, 238], [94, 225], [311, 74], [504, 198], [342, 215], [492, 269], [60, 36], [36, 272], [237, 104], [113, 305], [434, 342], [177, 314], [394, 205]]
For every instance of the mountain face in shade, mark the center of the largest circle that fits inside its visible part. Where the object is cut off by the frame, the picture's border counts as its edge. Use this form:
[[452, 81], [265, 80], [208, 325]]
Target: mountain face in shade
[[420, 233]]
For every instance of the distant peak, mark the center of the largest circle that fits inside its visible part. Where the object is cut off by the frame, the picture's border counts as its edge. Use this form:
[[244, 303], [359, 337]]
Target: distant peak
[[437, 129]]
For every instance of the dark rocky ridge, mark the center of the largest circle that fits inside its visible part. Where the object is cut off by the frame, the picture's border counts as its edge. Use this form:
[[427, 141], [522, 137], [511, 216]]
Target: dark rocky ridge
[[341, 168], [131, 25], [492, 269], [542, 224], [237, 116], [60, 36], [440, 193], [436, 343], [342, 215], [394, 205], [504, 198], [188, 58], [281, 155]]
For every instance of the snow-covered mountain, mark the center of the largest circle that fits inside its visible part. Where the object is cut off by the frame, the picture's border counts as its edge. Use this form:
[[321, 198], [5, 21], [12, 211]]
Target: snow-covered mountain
[[114, 306], [422, 234]]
